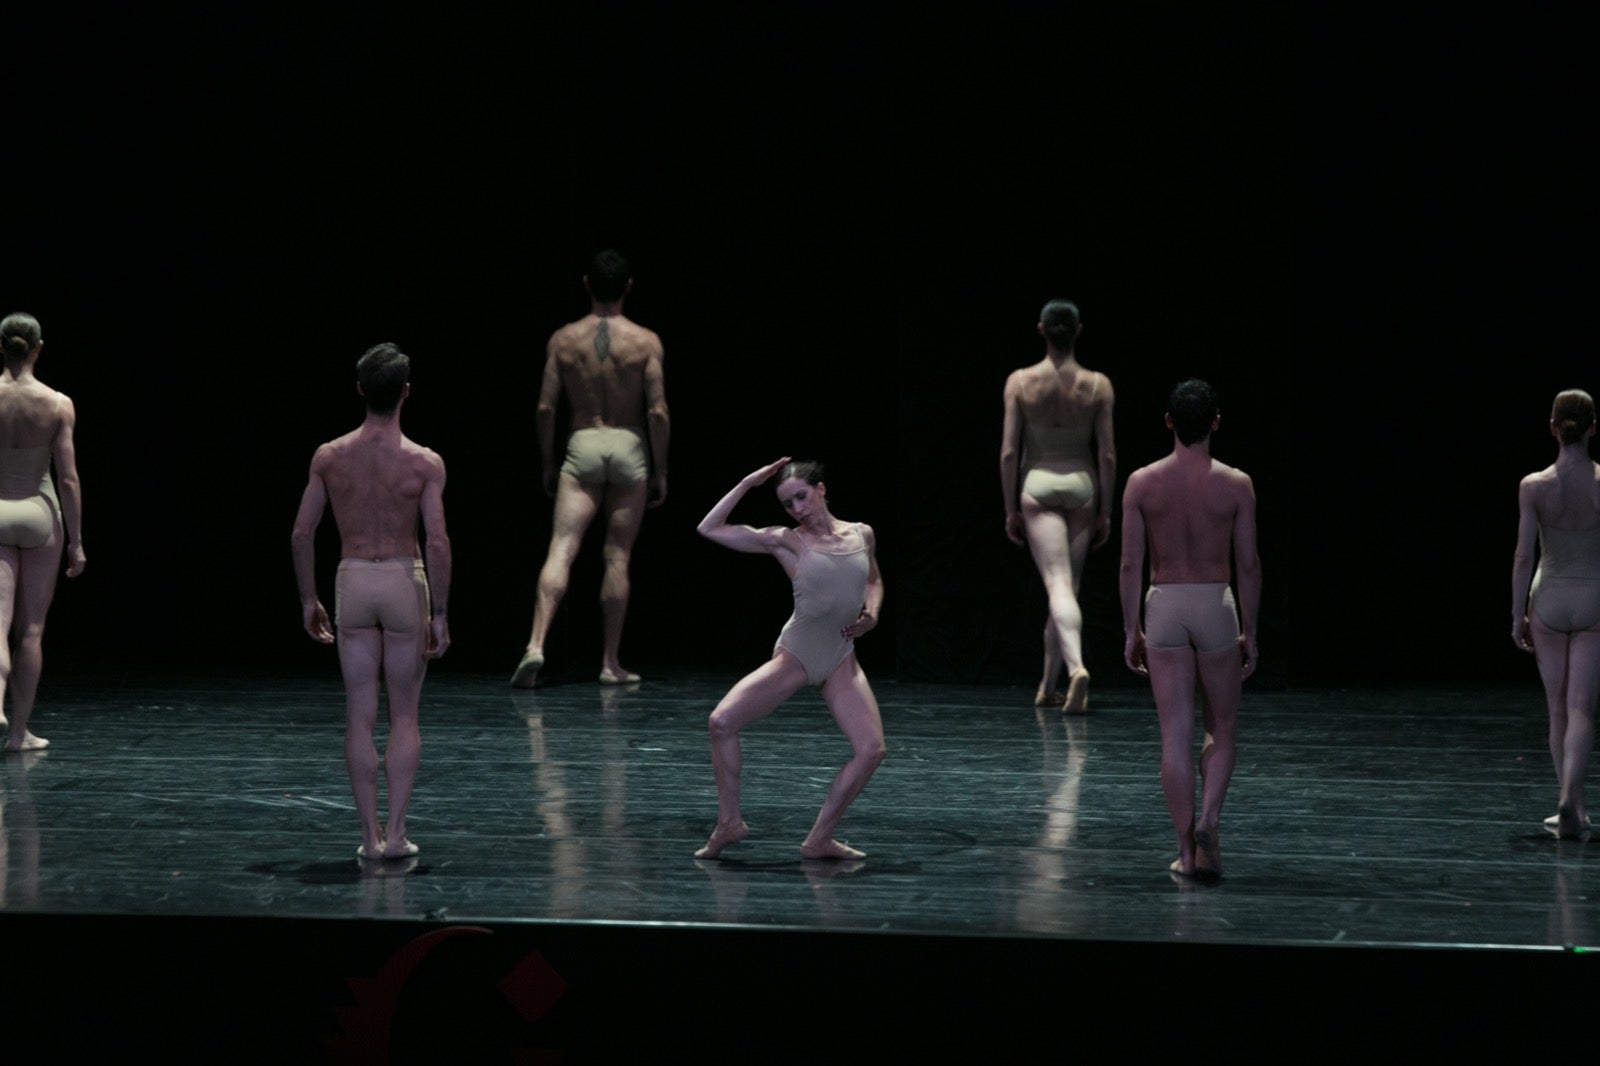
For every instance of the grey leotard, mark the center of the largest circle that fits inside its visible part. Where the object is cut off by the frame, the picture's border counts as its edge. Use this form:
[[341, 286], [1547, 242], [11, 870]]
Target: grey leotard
[[1566, 587], [829, 592], [1060, 462], [29, 510]]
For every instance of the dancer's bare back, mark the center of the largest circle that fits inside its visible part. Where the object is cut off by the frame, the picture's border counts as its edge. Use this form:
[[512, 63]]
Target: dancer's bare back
[[1050, 396], [379, 485], [610, 370], [1194, 516]]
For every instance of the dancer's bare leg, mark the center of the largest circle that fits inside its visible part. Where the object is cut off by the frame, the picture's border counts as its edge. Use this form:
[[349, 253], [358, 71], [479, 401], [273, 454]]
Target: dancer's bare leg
[[751, 699], [1048, 694], [361, 662], [1223, 683], [854, 708], [1059, 544], [624, 507], [1552, 652], [403, 670], [1583, 686], [9, 564], [35, 588], [1172, 677], [576, 506]]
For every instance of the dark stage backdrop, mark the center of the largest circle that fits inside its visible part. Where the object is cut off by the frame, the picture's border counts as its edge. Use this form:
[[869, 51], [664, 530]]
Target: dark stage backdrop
[[1370, 231]]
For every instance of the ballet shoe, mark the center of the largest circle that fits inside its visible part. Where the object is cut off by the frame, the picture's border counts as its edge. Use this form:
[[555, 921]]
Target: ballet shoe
[[1553, 823], [526, 675]]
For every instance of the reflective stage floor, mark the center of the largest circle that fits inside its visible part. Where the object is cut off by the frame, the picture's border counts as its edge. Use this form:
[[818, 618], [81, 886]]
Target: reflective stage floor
[[1369, 835]]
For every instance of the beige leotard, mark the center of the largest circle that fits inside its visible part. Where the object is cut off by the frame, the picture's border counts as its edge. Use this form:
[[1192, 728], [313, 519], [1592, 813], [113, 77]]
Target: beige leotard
[[29, 510], [1566, 587], [829, 591]]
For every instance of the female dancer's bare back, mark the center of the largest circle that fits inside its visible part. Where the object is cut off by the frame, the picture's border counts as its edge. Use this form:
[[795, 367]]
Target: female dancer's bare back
[[803, 654]]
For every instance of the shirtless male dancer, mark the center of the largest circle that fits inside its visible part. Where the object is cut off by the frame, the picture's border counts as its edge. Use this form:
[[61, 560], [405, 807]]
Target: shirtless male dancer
[[1196, 515], [1058, 486], [379, 483], [610, 371]]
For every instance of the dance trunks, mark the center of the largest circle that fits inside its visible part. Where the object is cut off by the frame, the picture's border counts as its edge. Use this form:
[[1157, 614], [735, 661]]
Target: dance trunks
[[1061, 492], [606, 456], [29, 510], [1566, 587], [829, 591], [388, 594], [1198, 616]]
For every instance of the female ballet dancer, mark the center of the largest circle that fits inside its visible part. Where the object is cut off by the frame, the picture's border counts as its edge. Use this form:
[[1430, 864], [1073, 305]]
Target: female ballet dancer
[[1555, 610], [837, 595], [35, 429]]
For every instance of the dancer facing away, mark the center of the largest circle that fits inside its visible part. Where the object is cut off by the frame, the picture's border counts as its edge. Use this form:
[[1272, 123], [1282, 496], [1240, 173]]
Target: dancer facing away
[[1053, 410], [609, 369], [380, 484], [837, 596], [35, 428], [1555, 610], [1196, 515]]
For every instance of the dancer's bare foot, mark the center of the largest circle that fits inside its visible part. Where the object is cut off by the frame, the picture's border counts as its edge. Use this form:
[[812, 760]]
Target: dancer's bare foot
[[403, 850], [27, 742], [721, 838], [526, 675], [619, 676], [1208, 854], [830, 849], [1077, 701]]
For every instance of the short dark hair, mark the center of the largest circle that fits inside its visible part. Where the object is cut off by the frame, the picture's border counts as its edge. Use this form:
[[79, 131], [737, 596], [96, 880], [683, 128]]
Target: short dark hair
[[608, 276], [1573, 414], [19, 332], [383, 373], [1060, 319], [1192, 404]]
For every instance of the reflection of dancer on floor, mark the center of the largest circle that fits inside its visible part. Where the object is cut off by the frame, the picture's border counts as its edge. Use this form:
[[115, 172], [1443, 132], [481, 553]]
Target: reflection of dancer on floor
[[380, 484], [1195, 514], [837, 595], [35, 429], [1555, 610], [1053, 410], [609, 369]]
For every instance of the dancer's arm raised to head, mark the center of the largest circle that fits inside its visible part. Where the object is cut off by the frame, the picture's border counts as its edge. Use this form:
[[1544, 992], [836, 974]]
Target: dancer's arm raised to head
[[714, 526]]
